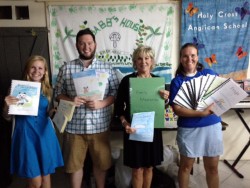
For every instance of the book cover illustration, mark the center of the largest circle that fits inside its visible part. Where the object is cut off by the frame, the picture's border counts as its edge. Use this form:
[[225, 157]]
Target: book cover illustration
[[143, 122], [90, 84], [144, 97], [28, 94], [64, 113]]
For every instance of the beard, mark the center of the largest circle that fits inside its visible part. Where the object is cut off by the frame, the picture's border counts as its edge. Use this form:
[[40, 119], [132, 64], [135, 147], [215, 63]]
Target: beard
[[84, 57]]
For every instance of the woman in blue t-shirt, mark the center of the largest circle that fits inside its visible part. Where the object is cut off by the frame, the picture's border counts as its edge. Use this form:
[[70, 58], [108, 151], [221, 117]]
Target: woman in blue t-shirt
[[199, 132]]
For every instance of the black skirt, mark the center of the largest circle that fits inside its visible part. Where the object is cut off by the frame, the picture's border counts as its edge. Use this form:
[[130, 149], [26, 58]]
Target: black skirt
[[143, 154]]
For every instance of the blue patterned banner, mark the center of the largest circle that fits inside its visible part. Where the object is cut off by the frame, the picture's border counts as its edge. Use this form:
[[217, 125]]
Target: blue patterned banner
[[221, 31]]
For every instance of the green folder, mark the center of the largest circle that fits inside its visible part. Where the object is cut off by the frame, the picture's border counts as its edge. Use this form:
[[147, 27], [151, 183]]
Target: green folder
[[145, 97]]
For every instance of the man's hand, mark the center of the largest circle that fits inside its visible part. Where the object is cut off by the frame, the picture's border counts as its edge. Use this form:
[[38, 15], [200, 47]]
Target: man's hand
[[79, 101], [94, 104]]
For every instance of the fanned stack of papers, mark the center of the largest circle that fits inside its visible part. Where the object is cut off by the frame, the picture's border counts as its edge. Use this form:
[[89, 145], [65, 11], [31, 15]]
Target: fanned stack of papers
[[90, 83], [202, 91]]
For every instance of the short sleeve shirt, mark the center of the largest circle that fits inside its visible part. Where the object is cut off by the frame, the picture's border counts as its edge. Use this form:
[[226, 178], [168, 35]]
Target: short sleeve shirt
[[85, 120], [191, 122]]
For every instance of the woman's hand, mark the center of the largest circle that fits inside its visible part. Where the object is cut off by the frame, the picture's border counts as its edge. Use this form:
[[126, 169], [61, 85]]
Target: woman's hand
[[164, 94], [127, 126], [185, 112], [208, 111], [129, 130], [10, 100]]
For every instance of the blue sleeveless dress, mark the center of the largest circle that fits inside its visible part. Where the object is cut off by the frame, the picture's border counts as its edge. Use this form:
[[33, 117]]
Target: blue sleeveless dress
[[35, 148]]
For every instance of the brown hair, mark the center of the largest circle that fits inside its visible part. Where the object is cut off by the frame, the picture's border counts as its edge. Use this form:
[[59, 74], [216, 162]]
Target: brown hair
[[86, 31], [180, 69]]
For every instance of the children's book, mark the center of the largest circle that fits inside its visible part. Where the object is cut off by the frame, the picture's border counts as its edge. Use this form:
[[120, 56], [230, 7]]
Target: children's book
[[90, 84], [143, 122], [64, 113], [28, 94]]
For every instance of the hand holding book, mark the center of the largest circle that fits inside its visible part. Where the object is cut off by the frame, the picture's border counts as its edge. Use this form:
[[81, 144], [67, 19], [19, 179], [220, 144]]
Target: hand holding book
[[25, 98], [143, 123], [90, 84], [63, 114], [145, 97], [200, 92]]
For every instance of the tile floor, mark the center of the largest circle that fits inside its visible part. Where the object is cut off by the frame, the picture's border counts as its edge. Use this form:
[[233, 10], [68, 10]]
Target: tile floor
[[228, 179]]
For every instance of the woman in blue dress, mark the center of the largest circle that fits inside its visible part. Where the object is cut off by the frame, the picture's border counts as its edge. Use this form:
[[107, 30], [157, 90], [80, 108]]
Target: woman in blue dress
[[35, 151]]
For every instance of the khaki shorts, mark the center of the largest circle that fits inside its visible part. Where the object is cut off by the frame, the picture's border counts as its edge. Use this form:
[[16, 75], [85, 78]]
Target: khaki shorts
[[75, 147]]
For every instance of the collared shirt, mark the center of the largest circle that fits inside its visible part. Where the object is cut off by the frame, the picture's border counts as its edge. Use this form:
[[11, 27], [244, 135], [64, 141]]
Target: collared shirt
[[85, 120]]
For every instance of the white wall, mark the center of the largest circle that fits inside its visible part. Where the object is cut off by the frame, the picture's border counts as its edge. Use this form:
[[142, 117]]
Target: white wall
[[235, 136], [37, 14]]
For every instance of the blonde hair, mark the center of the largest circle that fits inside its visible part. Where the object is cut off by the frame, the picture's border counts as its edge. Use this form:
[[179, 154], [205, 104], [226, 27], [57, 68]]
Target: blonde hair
[[142, 51], [45, 84]]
